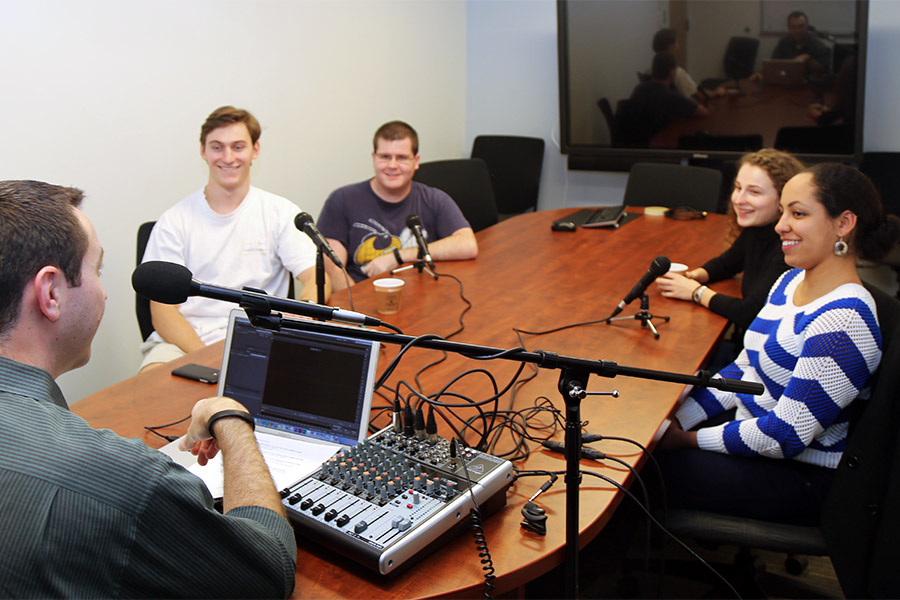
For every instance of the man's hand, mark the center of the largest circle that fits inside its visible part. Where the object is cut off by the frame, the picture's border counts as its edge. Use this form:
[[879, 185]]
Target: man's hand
[[198, 439], [380, 265]]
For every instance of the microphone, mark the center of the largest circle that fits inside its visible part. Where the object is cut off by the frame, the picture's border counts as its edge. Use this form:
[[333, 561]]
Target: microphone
[[658, 267], [415, 224], [304, 222], [171, 283]]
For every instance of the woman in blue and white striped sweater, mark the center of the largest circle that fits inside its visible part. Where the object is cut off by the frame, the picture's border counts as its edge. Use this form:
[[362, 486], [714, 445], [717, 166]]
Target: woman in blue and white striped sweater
[[814, 346]]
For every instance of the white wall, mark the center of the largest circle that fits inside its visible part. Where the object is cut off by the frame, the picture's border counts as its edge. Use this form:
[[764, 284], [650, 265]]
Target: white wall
[[109, 96]]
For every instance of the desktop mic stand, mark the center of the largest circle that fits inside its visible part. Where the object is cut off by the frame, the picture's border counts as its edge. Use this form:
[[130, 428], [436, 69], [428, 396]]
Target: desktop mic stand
[[419, 266], [644, 316], [574, 374]]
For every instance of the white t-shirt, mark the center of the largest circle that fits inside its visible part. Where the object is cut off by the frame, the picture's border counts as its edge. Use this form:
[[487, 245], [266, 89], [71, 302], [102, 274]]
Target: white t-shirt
[[255, 245], [684, 83]]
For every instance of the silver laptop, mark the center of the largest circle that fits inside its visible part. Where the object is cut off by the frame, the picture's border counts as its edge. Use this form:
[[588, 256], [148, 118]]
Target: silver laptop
[[310, 394], [784, 72], [304, 384]]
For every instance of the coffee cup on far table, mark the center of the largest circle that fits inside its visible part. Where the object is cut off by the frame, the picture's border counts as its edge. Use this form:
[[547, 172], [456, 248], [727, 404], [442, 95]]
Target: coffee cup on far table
[[387, 295]]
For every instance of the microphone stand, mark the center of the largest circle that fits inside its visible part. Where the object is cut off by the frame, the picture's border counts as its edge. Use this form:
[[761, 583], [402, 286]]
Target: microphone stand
[[574, 374], [320, 276], [419, 266], [644, 316]]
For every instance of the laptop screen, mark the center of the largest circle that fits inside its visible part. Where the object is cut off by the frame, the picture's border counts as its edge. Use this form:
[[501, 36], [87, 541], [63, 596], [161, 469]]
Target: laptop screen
[[306, 383]]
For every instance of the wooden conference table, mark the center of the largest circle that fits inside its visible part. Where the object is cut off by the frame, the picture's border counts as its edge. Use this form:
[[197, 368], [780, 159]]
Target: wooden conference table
[[757, 109], [529, 277]]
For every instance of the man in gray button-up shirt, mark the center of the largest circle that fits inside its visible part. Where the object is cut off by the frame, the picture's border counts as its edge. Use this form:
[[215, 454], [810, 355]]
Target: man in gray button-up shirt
[[87, 513]]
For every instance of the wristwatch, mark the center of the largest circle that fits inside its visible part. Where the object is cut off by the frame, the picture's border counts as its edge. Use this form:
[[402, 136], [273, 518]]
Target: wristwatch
[[397, 256], [698, 294]]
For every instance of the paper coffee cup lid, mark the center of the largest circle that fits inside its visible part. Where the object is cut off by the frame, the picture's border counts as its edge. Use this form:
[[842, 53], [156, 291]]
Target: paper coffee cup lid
[[388, 282]]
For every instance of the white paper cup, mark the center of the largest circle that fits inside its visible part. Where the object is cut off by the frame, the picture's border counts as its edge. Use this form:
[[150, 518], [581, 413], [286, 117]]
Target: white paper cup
[[387, 295], [678, 268]]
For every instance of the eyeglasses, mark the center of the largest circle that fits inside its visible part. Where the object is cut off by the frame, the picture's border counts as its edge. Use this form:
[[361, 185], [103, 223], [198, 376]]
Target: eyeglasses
[[402, 159]]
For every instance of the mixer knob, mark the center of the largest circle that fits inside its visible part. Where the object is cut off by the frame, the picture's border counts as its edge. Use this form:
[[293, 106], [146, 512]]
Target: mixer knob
[[330, 515], [318, 509], [306, 504], [342, 520], [360, 527]]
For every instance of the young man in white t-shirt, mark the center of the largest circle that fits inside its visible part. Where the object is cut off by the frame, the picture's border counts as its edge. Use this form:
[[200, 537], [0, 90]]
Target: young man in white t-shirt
[[227, 233]]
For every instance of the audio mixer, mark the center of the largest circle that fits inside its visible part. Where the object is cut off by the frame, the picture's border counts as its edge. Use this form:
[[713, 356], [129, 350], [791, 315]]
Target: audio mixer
[[397, 495]]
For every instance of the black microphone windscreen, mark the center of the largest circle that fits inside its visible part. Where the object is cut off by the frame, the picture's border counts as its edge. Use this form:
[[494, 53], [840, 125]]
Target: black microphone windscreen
[[413, 220], [660, 266], [302, 219], [164, 282]]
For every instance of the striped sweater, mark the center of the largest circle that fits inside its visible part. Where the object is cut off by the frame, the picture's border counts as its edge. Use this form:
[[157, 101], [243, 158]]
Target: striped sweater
[[813, 360]]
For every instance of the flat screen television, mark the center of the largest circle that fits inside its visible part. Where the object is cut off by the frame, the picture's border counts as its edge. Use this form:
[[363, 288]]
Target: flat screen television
[[606, 50]]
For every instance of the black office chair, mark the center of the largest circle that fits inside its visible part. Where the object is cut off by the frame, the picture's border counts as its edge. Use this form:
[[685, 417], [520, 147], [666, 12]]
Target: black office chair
[[816, 139], [657, 184], [468, 182], [857, 496], [739, 62], [141, 304], [882, 168], [515, 164]]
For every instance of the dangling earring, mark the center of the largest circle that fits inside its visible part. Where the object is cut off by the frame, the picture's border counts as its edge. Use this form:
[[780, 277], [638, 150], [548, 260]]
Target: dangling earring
[[840, 247]]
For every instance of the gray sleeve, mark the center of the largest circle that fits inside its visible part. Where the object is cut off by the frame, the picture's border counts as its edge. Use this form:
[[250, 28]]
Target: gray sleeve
[[184, 547]]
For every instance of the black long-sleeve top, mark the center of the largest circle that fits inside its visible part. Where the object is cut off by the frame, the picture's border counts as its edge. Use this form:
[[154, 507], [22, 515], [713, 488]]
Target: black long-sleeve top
[[757, 253]]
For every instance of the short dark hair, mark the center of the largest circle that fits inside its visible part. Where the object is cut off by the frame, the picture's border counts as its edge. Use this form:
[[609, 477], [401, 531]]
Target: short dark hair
[[396, 130], [840, 188], [38, 227], [663, 39], [797, 14], [226, 115], [663, 64]]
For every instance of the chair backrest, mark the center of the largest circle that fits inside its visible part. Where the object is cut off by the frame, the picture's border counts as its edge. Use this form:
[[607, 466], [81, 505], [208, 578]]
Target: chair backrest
[[609, 115], [468, 182], [740, 57], [141, 304], [655, 184], [515, 164]]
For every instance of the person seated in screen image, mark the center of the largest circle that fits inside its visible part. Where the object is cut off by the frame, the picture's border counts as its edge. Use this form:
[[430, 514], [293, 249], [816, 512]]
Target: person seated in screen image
[[365, 222], [799, 45], [87, 513], [814, 347], [757, 250], [655, 103], [666, 40], [227, 233]]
